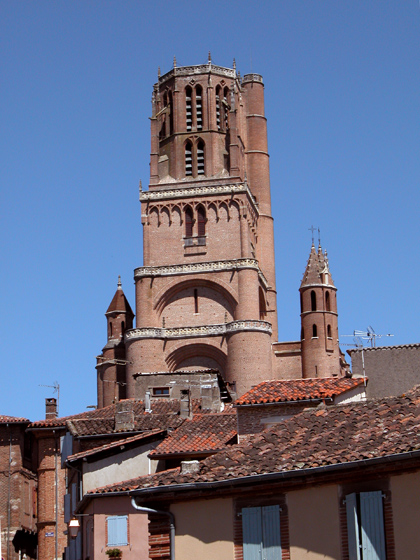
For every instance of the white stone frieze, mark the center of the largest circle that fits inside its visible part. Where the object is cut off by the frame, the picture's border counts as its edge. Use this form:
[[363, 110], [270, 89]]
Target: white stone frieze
[[200, 331]]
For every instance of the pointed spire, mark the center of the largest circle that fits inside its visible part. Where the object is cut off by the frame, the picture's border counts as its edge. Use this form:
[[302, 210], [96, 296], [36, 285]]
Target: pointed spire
[[209, 59], [158, 72], [119, 283], [174, 61], [317, 269]]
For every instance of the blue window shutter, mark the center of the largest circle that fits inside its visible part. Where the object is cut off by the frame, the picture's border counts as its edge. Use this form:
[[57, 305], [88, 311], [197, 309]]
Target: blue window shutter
[[252, 533], [372, 522], [352, 527], [271, 533], [117, 530]]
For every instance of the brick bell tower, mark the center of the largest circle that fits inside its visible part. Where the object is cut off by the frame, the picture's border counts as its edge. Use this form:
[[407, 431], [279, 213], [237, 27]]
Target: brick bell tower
[[111, 364], [206, 293], [321, 355]]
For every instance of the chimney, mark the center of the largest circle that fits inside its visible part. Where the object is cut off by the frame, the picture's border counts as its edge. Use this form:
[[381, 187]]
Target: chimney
[[124, 416], [185, 404], [190, 467], [50, 408]]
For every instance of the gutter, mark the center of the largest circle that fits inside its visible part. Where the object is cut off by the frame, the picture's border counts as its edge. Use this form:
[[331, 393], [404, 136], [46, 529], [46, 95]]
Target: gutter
[[241, 481], [143, 509], [303, 401]]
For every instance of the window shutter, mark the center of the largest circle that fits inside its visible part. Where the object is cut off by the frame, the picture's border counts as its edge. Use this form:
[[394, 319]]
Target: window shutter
[[67, 510], [117, 530], [252, 533], [271, 533], [352, 527], [372, 520]]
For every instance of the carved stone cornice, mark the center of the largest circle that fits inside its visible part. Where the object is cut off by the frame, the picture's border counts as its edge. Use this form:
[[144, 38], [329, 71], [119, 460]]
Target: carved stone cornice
[[197, 332], [191, 192], [198, 268], [199, 69]]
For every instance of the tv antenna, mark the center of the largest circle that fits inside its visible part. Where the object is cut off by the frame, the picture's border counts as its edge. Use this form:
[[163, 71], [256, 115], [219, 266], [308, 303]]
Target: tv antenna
[[370, 335], [56, 388]]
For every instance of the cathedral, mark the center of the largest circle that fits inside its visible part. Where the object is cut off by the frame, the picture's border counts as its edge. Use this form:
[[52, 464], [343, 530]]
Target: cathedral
[[206, 309]]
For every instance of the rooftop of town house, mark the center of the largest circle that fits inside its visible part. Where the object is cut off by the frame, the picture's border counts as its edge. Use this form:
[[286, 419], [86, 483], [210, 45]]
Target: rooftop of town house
[[201, 434], [295, 390], [338, 436]]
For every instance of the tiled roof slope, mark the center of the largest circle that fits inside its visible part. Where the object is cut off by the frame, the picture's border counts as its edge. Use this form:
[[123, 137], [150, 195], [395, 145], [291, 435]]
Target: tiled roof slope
[[13, 420], [279, 391], [119, 302], [315, 438], [115, 445], [203, 433], [317, 263], [383, 348], [164, 414]]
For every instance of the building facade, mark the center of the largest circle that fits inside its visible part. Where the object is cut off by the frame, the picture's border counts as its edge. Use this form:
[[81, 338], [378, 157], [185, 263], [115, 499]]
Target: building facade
[[206, 293]]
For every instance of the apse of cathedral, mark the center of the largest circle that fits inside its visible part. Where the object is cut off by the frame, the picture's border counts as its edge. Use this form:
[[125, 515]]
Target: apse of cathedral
[[206, 310]]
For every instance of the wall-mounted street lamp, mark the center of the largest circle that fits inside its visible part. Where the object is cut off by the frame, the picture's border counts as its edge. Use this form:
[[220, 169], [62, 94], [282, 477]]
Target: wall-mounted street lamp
[[74, 527]]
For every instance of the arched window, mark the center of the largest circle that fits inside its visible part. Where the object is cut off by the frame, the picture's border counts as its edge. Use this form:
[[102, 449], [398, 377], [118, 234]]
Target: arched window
[[302, 334], [314, 331], [200, 158], [301, 304], [188, 222], [199, 107], [329, 331], [327, 301], [313, 301], [218, 104], [188, 159], [122, 327], [188, 107], [110, 329], [195, 301], [201, 221]]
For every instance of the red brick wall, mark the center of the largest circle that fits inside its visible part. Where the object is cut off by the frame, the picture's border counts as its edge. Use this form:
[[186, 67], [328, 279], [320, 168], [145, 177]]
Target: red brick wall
[[18, 512]]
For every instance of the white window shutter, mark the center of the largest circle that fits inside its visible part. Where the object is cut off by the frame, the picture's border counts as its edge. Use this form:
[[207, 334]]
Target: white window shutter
[[372, 521], [252, 533], [352, 527], [271, 533]]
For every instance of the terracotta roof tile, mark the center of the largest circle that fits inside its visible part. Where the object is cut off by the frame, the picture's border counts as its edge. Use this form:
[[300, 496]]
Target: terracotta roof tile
[[279, 391], [164, 414], [203, 433], [13, 420], [333, 436], [115, 444]]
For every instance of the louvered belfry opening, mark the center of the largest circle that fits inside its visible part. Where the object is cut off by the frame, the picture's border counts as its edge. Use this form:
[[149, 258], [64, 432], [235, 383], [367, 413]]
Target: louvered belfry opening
[[201, 221], [188, 222]]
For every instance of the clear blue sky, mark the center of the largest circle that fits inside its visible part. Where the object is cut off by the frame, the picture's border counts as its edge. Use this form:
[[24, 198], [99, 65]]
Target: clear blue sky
[[342, 84]]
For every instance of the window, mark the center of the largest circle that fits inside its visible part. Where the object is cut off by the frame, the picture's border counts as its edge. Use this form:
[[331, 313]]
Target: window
[[313, 301], [188, 107], [199, 107], [188, 159], [188, 222], [201, 221], [200, 158], [218, 95], [195, 301], [327, 301], [117, 530], [365, 526], [225, 108], [160, 391], [314, 331], [329, 331], [261, 533]]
